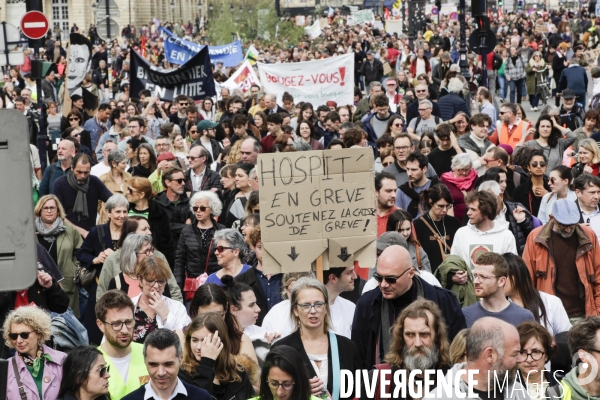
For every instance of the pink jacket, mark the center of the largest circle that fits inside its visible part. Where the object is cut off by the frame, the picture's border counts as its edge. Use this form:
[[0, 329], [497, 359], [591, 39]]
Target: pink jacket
[[50, 382]]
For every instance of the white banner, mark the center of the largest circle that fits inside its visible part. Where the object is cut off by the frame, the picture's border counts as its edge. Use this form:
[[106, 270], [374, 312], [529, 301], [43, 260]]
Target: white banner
[[242, 79], [316, 82], [361, 17], [313, 31]]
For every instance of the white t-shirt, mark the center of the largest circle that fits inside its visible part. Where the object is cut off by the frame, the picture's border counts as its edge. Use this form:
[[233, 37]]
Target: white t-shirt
[[342, 314], [122, 365], [99, 169]]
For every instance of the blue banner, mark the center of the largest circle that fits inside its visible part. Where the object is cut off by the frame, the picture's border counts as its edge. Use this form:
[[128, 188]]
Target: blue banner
[[179, 51]]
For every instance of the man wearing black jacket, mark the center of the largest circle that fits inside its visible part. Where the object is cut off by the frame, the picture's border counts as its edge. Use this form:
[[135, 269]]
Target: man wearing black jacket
[[199, 176], [372, 68], [398, 287], [175, 201]]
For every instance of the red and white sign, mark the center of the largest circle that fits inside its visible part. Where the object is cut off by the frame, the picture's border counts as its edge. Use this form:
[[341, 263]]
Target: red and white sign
[[34, 25], [242, 79], [313, 81]]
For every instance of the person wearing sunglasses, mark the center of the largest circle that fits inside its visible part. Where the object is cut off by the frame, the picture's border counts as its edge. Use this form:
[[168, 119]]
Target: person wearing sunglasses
[[195, 254], [532, 190], [154, 310], [38, 367], [284, 376], [230, 249], [316, 341], [86, 375], [394, 127], [559, 182]]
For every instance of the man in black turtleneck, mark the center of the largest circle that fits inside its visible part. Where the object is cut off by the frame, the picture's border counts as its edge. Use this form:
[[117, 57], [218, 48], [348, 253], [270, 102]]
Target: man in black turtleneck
[[399, 286]]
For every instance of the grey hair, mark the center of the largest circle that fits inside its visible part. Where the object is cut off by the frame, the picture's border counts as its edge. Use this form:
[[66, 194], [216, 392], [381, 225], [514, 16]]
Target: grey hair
[[481, 337], [252, 173], [270, 96], [260, 95], [574, 60], [234, 238], [176, 130], [491, 186], [309, 283], [113, 141], [116, 200], [128, 257], [213, 201], [115, 156], [373, 84], [429, 103], [302, 146], [550, 110], [461, 161], [455, 85], [162, 339]]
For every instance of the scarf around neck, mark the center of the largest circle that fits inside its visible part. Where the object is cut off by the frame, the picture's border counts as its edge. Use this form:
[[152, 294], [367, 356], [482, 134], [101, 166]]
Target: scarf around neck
[[81, 206], [34, 365], [50, 234], [462, 183]]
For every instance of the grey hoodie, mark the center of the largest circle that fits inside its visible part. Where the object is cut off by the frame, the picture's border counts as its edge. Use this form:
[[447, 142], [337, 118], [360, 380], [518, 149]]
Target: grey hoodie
[[516, 391], [577, 392]]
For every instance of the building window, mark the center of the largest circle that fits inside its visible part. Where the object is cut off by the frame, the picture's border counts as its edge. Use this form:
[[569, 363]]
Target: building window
[[60, 14]]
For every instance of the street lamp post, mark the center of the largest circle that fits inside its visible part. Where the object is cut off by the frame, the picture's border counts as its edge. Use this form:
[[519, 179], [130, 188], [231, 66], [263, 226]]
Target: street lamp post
[[173, 11], [462, 62], [199, 15], [210, 9]]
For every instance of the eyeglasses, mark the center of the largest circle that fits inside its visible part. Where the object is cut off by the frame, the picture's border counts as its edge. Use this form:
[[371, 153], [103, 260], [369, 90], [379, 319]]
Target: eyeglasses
[[134, 127], [118, 325], [423, 109], [221, 249], [201, 208], [73, 119], [131, 190], [420, 91], [385, 164], [535, 354], [307, 307], [181, 181], [192, 158], [503, 112], [284, 385], [553, 180], [389, 279], [483, 278], [398, 125], [24, 335], [148, 252], [49, 209], [150, 282], [194, 131], [444, 206], [103, 371], [76, 135], [535, 164], [183, 104], [402, 148]]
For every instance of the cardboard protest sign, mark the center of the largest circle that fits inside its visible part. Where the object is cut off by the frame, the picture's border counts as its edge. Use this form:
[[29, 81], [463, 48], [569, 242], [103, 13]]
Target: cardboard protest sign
[[541, 27], [316, 81], [179, 51], [193, 79], [242, 79], [317, 203]]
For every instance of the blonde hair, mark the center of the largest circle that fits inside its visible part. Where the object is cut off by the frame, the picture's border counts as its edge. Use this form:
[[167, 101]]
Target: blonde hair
[[40, 205], [310, 283], [36, 318], [458, 348], [591, 146]]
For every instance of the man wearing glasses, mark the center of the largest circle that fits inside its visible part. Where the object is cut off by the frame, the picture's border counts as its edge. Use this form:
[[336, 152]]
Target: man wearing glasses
[[136, 126], [403, 146], [489, 277], [175, 201], [114, 317], [512, 131], [180, 116], [199, 176], [425, 122], [399, 286], [412, 111]]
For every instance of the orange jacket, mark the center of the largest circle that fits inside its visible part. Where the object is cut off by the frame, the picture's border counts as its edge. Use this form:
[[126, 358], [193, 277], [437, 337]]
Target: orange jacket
[[542, 267], [502, 136]]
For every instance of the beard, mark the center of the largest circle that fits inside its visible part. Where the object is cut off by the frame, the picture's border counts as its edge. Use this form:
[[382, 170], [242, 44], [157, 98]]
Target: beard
[[427, 360], [501, 372]]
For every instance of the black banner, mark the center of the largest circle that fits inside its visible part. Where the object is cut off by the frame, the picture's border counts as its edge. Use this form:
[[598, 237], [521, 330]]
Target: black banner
[[193, 79]]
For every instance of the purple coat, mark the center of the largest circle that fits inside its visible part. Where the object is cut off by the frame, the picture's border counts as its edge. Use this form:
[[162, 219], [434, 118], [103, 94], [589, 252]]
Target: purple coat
[[50, 382]]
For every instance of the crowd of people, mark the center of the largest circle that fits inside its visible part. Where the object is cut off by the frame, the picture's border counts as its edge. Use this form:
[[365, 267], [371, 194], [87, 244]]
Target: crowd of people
[[150, 261]]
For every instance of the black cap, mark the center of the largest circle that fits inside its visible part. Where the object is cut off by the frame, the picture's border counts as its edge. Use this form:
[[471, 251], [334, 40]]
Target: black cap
[[568, 94]]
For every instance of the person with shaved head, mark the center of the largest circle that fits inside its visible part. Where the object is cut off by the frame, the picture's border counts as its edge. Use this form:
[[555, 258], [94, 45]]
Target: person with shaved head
[[399, 286]]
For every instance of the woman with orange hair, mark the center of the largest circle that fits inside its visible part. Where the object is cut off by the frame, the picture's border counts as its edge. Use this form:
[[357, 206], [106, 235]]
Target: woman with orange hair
[[139, 195]]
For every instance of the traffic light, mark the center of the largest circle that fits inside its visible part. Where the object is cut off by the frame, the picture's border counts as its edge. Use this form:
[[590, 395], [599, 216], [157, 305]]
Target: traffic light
[[438, 4], [499, 3]]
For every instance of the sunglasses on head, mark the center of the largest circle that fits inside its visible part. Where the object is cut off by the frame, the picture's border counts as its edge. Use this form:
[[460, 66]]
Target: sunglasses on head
[[24, 335], [201, 208], [534, 164]]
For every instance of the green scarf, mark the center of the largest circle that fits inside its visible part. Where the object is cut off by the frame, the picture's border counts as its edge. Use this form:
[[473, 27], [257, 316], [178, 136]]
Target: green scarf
[[34, 365]]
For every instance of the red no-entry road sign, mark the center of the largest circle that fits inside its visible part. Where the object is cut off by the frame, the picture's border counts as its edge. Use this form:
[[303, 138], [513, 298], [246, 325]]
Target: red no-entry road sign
[[34, 25]]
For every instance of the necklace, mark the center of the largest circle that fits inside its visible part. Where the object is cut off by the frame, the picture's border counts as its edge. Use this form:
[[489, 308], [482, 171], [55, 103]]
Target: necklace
[[439, 233], [131, 277]]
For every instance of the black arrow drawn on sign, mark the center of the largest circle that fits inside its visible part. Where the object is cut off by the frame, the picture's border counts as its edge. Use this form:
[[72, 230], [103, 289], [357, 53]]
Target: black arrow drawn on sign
[[293, 254], [344, 254]]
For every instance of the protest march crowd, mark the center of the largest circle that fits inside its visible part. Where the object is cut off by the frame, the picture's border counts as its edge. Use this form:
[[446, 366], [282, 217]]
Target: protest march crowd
[[150, 279]]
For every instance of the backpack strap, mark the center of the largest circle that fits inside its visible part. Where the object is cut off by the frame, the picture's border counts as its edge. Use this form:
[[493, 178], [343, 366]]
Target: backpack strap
[[100, 231], [437, 237], [335, 365], [417, 123]]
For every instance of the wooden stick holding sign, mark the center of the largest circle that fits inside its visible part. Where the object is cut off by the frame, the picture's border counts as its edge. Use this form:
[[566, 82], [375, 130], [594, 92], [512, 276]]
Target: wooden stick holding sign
[[319, 269]]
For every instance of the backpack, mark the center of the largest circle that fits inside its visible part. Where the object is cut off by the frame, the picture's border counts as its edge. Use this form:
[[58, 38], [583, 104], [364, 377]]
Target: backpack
[[594, 102], [437, 120], [497, 64]]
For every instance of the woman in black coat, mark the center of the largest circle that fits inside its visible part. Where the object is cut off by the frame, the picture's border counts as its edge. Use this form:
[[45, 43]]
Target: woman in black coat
[[310, 305], [195, 251], [139, 194]]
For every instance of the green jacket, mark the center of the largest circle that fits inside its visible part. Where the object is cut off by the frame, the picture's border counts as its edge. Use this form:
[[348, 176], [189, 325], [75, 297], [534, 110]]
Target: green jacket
[[451, 265]]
